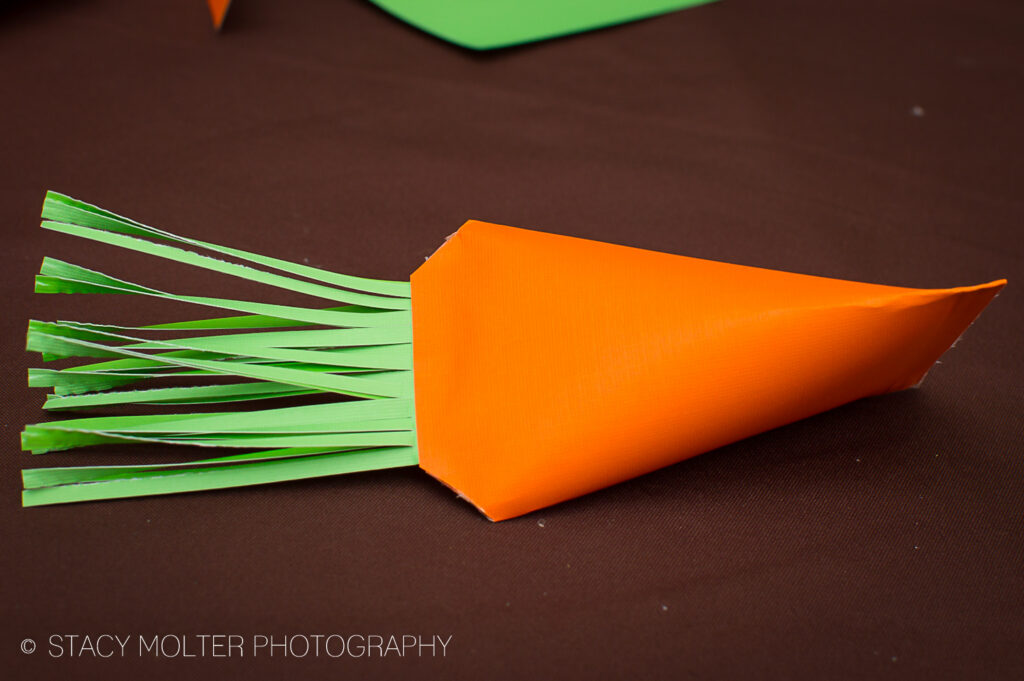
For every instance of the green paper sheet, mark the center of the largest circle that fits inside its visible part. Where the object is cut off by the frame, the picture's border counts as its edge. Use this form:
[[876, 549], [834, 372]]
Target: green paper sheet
[[490, 24]]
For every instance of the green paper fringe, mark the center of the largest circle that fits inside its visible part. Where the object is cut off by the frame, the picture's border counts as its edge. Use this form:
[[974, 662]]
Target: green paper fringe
[[360, 349]]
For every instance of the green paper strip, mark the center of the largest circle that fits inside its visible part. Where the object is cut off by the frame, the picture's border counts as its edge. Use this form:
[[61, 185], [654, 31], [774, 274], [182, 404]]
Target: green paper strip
[[60, 208], [239, 322], [39, 440], [341, 416], [343, 347], [196, 394], [240, 271], [33, 478], [146, 483], [57, 276], [345, 385]]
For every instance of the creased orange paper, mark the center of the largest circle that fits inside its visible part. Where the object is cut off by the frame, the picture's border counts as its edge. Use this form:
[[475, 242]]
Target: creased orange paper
[[547, 366]]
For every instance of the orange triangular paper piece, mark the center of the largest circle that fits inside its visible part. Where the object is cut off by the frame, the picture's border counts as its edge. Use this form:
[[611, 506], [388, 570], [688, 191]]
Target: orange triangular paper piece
[[218, 10], [547, 366]]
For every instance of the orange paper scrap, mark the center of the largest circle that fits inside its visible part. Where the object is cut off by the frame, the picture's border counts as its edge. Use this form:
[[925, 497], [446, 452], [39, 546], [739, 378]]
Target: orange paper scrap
[[547, 367], [218, 10]]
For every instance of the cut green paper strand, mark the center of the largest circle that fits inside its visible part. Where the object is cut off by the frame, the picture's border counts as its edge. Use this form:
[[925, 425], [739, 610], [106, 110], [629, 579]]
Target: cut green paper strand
[[145, 483], [60, 208], [360, 349]]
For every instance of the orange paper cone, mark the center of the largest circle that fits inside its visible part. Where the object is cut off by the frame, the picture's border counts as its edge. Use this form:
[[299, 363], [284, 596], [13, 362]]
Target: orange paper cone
[[547, 366]]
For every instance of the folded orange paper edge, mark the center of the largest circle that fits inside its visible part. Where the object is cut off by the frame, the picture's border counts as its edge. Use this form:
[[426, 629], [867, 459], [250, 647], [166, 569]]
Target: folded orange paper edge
[[547, 366]]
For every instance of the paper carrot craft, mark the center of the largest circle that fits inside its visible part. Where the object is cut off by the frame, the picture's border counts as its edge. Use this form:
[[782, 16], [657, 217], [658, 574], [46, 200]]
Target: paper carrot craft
[[519, 368]]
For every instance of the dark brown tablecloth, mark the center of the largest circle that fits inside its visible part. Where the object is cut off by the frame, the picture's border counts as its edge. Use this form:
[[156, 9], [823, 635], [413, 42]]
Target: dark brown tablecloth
[[874, 141]]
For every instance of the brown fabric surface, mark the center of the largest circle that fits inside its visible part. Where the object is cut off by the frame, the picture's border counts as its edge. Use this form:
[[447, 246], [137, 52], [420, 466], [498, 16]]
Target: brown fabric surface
[[880, 540]]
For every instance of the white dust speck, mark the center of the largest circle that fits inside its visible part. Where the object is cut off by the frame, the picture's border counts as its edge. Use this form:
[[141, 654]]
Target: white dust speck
[[664, 608], [916, 111], [541, 523]]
